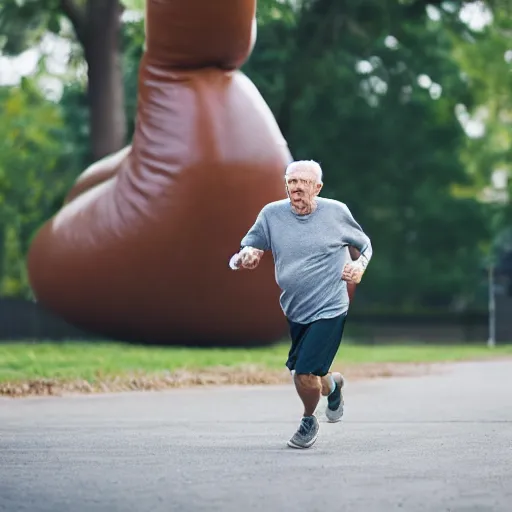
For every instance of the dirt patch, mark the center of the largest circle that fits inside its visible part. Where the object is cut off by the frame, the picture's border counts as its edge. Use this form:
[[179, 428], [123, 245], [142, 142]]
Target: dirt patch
[[382, 370], [210, 377]]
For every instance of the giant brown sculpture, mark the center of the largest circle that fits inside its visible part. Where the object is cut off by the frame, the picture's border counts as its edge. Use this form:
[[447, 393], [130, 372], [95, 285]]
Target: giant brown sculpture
[[140, 249]]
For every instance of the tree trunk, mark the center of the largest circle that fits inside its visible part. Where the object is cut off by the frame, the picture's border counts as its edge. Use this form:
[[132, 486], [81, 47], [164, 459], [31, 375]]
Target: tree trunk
[[105, 77]]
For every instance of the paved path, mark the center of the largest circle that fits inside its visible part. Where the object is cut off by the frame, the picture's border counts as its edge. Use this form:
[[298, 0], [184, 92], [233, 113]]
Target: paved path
[[436, 443]]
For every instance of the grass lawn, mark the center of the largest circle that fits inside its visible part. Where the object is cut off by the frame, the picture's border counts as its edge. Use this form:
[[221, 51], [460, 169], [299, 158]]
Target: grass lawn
[[96, 361]]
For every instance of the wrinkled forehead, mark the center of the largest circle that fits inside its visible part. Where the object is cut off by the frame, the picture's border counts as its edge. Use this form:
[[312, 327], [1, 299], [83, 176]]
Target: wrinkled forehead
[[303, 173]]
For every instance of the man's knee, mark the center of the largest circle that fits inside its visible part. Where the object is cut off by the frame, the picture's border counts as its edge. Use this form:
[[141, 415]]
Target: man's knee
[[308, 381]]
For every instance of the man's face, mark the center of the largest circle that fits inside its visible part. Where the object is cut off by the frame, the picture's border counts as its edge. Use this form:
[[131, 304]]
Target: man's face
[[302, 188]]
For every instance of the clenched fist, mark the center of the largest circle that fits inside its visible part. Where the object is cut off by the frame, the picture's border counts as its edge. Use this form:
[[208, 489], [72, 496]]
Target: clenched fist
[[353, 272], [248, 257]]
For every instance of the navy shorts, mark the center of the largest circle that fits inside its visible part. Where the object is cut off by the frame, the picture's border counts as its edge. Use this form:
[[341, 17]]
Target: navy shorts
[[314, 345]]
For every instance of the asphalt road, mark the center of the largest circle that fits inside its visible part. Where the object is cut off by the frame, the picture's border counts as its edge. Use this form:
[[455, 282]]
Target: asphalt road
[[442, 442]]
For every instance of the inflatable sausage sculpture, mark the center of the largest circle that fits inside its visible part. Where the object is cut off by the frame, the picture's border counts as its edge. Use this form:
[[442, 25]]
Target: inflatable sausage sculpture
[[140, 249]]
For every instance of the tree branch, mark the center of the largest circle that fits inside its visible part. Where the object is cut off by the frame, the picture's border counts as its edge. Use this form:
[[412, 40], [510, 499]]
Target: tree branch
[[76, 15]]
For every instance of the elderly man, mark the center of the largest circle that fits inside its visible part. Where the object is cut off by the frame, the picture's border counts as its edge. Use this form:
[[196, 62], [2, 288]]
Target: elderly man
[[310, 238]]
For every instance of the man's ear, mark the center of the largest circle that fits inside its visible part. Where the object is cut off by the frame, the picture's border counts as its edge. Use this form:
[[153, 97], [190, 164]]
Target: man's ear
[[319, 187]]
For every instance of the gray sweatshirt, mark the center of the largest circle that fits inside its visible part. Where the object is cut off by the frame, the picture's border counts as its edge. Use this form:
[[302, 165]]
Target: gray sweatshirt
[[309, 253]]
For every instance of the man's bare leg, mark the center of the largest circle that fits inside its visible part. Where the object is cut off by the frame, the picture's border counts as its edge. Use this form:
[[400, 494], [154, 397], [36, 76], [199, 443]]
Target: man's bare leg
[[332, 385], [328, 382], [309, 390]]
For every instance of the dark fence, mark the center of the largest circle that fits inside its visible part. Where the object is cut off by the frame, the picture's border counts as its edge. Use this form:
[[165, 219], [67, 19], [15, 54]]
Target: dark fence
[[435, 327], [25, 320]]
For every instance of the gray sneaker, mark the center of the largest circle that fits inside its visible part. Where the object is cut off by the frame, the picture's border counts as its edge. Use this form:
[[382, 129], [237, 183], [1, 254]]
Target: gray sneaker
[[335, 403], [306, 434]]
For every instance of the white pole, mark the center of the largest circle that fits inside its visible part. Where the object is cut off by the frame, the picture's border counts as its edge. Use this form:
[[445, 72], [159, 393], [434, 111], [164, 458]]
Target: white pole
[[491, 342]]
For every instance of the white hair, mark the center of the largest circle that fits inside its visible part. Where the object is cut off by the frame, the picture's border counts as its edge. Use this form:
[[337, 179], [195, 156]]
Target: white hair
[[308, 166]]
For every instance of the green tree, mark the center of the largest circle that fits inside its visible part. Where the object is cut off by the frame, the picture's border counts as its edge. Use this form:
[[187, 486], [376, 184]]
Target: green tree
[[74, 98], [34, 175], [96, 27], [486, 62]]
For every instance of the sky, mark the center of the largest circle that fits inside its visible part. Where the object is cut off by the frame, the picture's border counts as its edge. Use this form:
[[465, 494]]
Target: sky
[[57, 51]]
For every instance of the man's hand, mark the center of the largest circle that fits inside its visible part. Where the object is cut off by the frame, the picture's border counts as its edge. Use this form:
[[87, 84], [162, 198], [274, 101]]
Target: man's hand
[[248, 258], [353, 272]]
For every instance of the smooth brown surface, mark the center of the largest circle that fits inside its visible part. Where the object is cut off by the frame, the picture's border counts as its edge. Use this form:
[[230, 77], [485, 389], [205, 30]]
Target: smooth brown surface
[[97, 173], [141, 249], [200, 33]]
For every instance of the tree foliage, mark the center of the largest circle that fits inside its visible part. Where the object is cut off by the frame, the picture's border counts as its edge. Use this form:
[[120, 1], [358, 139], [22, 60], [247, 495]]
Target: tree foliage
[[96, 27], [33, 176], [486, 61]]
